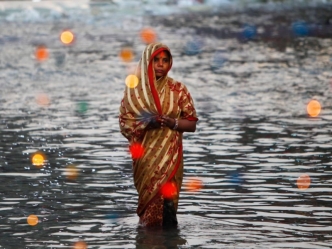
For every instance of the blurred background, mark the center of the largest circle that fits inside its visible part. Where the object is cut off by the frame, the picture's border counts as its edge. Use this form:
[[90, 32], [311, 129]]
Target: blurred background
[[257, 169]]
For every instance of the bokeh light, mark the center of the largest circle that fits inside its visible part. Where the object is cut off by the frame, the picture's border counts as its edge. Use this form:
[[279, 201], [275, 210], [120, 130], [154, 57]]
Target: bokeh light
[[42, 99], [67, 37], [193, 185], [249, 32], [300, 28], [235, 178], [303, 182], [112, 217], [169, 190], [41, 53], [218, 59], [126, 54], [131, 81], [194, 47], [136, 150], [313, 108], [80, 245], [71, 172], [148, 35], [38, 159], [82, 107], [32, 220]]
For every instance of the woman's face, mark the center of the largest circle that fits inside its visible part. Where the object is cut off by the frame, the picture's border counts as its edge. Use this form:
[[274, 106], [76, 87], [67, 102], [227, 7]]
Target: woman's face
[[161, 63]]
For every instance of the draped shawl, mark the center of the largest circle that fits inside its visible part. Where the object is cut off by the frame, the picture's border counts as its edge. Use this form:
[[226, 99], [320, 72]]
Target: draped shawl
[[162, 160]]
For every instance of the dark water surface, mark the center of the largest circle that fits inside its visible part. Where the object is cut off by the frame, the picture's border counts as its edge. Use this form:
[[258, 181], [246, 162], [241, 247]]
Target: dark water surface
[[254, 138]]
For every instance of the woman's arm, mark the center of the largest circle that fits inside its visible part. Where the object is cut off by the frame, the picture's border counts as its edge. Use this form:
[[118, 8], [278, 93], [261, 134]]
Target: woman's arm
[[183, 124]]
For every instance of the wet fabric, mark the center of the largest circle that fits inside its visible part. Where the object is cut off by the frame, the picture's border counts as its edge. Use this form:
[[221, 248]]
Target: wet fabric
[[162, 160]]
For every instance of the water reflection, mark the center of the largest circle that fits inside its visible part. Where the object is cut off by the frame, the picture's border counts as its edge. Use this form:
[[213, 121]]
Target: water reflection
[[159, 238], [253, 142]]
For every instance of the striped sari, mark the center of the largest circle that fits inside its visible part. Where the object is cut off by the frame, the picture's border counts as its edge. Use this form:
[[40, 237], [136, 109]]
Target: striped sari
[[162, 160]]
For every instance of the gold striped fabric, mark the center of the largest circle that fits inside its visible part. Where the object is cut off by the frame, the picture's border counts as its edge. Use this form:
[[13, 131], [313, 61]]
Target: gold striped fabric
[[162, 147]]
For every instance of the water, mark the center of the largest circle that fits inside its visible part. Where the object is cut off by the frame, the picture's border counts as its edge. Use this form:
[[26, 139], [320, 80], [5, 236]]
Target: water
[[253, 141]]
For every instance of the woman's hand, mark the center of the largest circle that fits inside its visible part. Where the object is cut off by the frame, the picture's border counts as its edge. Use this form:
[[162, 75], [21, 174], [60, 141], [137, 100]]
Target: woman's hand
[[161, 121], [155, 123], [183, 125], [167, 121]]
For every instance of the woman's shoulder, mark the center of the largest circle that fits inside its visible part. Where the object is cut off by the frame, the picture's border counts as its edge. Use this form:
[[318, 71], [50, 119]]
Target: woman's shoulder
[[176, 85]]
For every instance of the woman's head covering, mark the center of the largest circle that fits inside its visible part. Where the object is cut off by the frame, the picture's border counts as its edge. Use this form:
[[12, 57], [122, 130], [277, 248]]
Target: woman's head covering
[[146, 71], [145, 63], [142, 102]]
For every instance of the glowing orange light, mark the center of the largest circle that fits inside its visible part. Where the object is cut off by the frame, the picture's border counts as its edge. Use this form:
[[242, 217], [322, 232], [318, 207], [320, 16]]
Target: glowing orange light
[[194, 185], [43, 100], [38, 159], [169, 190], [313, 108], [126, 54], [67, 37], [80, 245], [136, 150], [41, 53], [303, 182], [131, 81], [71, 172], [148, 35], [32, 220]]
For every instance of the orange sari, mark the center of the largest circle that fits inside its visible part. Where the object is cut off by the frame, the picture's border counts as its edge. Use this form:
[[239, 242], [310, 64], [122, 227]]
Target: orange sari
[[162, 160]]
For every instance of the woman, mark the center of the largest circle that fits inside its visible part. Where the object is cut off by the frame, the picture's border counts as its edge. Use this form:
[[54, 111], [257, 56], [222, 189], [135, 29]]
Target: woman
[[154, 114]]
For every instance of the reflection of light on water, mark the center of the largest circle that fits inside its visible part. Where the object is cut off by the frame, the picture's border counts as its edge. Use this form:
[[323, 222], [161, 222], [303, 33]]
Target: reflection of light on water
[[249, 31], [303, 182], [148, 35], [59, 58], [300, 28], [313, 108], [82, 107], [42, 99], [235, 178], [80, 245], [112, 217], [194, 47], [218, 59], [126, 54], [193, 185], [67, 37], [38, 159], [131, 81], [136, 150], [169, 190], [32, 220], [71, 172], [41, 53]]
